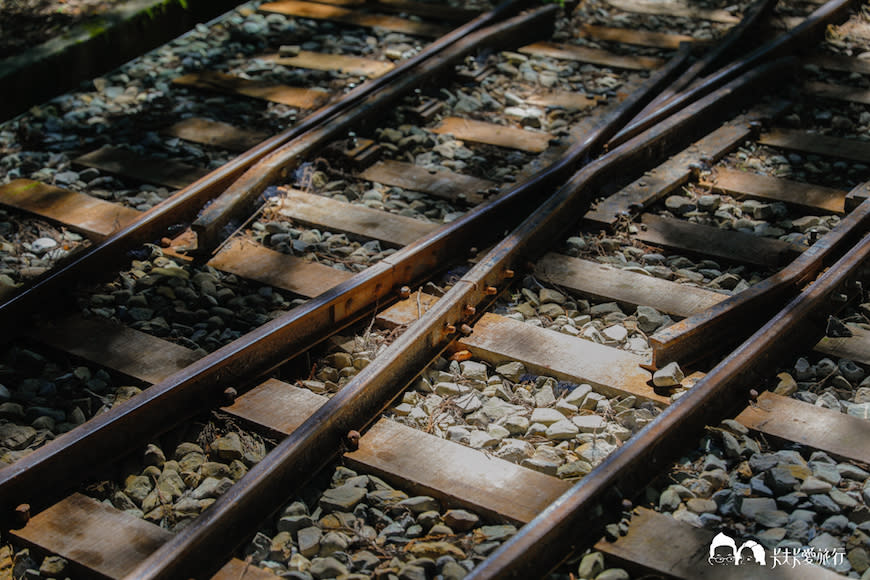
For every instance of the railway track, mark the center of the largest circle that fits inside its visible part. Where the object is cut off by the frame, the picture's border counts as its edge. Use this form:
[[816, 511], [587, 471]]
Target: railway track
[[465, 297]]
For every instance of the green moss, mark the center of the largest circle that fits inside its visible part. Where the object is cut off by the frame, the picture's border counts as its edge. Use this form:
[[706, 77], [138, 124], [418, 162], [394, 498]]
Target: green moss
[[96, 27], [153, 10]]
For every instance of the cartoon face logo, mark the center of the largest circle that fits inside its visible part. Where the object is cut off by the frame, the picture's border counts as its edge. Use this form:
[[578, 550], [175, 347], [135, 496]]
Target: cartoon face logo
[[723, 550], [750, 552]]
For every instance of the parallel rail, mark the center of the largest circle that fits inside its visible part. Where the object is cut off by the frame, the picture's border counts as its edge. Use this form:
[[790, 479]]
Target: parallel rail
[[690, 109]]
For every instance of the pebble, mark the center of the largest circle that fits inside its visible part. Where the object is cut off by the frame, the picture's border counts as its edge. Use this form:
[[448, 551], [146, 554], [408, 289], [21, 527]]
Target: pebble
[[668, 376], [386, 520]]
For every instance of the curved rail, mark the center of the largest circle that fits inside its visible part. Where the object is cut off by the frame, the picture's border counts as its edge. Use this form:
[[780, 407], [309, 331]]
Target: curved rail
[[701, 335], [579, 515], [792, 42], [372, 390], [184, 205], [33, 479]]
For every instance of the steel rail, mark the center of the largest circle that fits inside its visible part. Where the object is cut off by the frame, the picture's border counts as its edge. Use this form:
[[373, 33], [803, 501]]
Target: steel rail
[[708, 333], [357, 404], [577, 518], [243, 194], [48, 472], [792, 42], [183, 206], [736, 39]]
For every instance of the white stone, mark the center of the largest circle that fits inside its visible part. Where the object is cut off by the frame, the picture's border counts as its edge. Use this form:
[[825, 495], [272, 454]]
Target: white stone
[[474, 371], [615, 333], [468, 403], [669, 375], [589, 423], [515, 450], [480, 439], [546, 416], [563, 429], [579, 393], [41, 245]]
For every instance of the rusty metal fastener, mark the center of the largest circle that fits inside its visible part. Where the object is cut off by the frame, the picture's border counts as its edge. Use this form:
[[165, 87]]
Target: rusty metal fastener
[[352, 439], [469, 310], [230, 395], [491, 291], [22, 514], [509, 274], [465, 329], [449, 329], [404, 292]]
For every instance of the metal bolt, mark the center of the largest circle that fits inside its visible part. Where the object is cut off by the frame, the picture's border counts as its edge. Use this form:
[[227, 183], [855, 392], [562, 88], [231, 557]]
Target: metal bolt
[[469, 310], [404, 292], [465, 329], [22, 514], [352, 440]]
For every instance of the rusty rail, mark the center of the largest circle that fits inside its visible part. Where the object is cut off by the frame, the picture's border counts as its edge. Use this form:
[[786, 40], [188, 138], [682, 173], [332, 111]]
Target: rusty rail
[[736, 39], [34, 479], [578, 516], [184, 205], [792, 42], [242, 196], [371, 391], [708, 333]]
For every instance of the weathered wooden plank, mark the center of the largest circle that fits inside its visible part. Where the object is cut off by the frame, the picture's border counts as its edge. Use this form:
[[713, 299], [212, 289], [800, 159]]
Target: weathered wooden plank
[[604, 282], [456, 474], [808, 195], [855, 347], [254, 262], [838, 92], [492, 134], [126, 163], [437, 11], [406, 311], [712, 241], [858, 195], [341, 216], [670, 175], [215, 134], [659, 543], [302, 98], [819, 144], [352, 17], [95, 218], [674, 8], [116, 347], [441, 11], [443, 184], [355, 65], [591, 56], [107, 542], [839, 63], [97, 537], [563, 99], [237, 569], [614, 372], [277, 406], [631, 36], [826, 429]]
